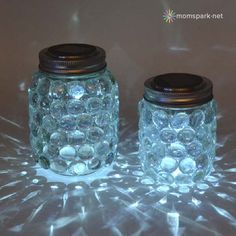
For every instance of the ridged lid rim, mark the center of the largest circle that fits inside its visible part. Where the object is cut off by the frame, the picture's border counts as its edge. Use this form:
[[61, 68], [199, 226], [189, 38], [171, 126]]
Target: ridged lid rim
[[178, 90], [72, 59]]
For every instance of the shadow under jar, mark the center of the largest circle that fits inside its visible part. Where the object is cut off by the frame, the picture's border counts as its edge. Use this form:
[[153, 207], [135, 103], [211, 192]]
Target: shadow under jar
[[177, 128], [73, 110]]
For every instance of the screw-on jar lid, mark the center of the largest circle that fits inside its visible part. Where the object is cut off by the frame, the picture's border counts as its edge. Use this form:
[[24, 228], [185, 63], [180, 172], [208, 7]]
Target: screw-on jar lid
[[178, 90], [72, 59]]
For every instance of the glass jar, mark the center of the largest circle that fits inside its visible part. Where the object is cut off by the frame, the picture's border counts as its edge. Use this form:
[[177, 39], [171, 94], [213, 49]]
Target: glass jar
[[73, 110], [177, 128]]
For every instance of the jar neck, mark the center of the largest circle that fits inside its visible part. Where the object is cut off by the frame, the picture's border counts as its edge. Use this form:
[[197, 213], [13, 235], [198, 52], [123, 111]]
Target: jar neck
[[179, 108], [74, 77]]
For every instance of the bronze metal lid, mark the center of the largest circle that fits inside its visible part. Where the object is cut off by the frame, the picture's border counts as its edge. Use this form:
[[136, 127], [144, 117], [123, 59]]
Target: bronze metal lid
[[72, 59], [178, 90]]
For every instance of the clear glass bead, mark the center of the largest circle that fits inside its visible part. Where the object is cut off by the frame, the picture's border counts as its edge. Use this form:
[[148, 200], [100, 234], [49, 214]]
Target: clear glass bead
[[67, 152], [76, 137], [57, 89], [102, 148], [67, 122], [84, 121], [95, 134], [73, 121], [58, 138], [103, 118], [85, 152], [168, 164], [75, 107], [94, 104], [75, 89], [177, 145], [77, 168], [57, 109], [94, 164], [59, 165], [93, 87]]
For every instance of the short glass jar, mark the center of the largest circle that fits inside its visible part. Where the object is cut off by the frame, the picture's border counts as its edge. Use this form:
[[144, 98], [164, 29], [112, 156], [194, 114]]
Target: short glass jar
[[73, 110], [177, 128]]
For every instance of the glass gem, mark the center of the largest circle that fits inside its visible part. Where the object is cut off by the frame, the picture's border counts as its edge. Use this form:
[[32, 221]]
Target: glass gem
[[94, 104], [50, 150], [168, 164], [105, 85], [103, 118], [75, 107], [85, 152], [160, 118], [67, 152], [158, 149], [58, 138], [67, 122], [43, 134], [59, 165], [57, 109], [43, 86], [84, 121], [187, 165], [152, 132], [177, 150], [44, 162], [108, 102], [49, 123], [94, 164], [44, 102], [152, 159], [93, 87], [102, 148], [201, 132], [202, 161], [179, 120], [76, 137], [194, 148], [95, 134], [196, 118], [57, 90], [186, 135], [75, 89], [168, 135], [78, 168]]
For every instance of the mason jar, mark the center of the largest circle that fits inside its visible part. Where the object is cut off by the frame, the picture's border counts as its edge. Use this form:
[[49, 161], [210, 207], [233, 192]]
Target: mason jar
[[177, 128], [73, 110]]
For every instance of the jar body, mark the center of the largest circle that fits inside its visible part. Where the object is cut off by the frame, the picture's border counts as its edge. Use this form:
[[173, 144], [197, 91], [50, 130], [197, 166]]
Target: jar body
[[73, 121], [177, 145]]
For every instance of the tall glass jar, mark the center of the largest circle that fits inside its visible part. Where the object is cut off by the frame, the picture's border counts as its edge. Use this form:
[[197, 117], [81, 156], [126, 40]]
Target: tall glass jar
[[73, 110], [177, 128]]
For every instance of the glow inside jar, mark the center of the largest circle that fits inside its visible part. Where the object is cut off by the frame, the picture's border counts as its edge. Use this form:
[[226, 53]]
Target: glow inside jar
[[177, 128]]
